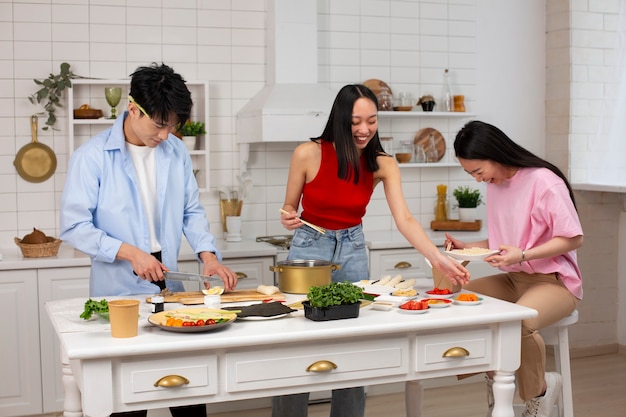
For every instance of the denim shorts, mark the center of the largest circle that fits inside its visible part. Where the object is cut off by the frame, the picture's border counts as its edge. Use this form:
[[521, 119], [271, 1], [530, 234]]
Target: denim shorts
[[345, 247]]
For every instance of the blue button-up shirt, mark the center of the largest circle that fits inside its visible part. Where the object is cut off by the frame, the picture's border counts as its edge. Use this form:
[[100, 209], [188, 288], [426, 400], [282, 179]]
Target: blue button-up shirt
[[101, 207]]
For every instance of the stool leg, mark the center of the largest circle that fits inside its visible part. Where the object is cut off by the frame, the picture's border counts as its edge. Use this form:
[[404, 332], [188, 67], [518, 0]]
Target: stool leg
[[413, 393], [566, 401]]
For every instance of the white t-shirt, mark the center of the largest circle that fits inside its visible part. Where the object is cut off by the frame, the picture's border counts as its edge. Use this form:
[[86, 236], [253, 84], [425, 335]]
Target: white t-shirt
[[144, 158]]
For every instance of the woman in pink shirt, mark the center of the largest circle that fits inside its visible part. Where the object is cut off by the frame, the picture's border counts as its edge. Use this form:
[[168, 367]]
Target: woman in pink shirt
[[533, 222]]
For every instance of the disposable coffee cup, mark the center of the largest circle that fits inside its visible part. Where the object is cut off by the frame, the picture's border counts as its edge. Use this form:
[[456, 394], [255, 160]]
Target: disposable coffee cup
[[124, 316]]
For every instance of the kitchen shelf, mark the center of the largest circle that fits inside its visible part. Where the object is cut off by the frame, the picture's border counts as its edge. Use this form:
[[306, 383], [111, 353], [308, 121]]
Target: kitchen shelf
[[90, 91], [424, 114]]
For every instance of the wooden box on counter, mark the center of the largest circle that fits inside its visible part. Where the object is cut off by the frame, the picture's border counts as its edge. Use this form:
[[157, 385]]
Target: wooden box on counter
[[457, 225]]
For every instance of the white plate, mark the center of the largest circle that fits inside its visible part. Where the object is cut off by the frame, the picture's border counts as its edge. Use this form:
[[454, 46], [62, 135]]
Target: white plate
[[428, 294], [261, 318], [455, 253], [438, 302], [382, 306], [394, 299], [468, 303], [403, 311], [378, 289]]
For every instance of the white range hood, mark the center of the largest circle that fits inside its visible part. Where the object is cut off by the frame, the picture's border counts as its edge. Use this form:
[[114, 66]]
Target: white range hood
[[292, 107]]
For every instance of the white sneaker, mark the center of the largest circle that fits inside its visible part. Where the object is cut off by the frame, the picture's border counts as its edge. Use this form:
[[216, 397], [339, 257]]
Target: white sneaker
[[542, 406], [490, 400]]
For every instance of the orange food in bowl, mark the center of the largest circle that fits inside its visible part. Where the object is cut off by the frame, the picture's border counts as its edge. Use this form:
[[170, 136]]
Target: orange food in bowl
[[467, 297]]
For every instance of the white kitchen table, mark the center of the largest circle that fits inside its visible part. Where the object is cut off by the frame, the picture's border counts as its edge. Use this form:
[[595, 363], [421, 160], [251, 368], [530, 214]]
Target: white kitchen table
[[252, 359]]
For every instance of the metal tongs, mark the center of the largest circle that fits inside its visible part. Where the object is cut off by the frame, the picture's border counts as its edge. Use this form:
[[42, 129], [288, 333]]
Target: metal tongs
[[311, 225]]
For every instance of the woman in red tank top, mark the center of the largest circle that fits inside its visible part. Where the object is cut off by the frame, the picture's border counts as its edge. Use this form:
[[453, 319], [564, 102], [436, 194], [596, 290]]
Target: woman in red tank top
[[334, 176]]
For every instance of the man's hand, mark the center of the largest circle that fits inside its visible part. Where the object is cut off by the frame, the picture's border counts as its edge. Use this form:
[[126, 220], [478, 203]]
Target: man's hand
[[144, 264], [213, 267]]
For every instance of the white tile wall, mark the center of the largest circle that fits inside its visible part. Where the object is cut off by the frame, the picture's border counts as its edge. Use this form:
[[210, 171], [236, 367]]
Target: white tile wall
[[405, 43]]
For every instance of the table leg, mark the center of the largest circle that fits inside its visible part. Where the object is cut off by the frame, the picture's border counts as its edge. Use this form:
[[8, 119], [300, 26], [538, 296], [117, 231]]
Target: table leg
[[503, 392], [413, 394], [72, 406]]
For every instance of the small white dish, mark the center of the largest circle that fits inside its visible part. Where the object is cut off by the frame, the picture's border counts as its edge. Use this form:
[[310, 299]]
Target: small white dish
[[438, 302], [403, 311], [468, 303], [381, 305]]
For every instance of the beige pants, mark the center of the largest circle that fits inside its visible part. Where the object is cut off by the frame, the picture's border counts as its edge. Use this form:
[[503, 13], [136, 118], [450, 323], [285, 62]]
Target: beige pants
[[542, 292]]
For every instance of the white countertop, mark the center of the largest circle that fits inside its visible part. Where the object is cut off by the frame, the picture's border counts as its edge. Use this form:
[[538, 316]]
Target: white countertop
[[69, 257]]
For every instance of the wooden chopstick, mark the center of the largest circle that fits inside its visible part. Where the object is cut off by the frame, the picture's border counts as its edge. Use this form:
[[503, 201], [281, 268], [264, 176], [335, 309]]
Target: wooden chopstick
[[311, 225]]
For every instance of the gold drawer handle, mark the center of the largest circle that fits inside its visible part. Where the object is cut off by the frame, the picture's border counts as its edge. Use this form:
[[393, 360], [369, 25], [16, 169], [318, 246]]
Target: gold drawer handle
[[455, 352], [321, 366], [169, 381], [403, 265], [241, 275]]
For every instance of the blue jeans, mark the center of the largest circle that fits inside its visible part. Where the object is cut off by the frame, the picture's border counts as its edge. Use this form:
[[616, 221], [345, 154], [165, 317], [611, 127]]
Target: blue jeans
[[348, 402], [344, 247]]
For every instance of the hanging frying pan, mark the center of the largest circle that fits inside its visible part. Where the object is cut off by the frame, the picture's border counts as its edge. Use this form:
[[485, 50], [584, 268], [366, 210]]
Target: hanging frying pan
[[35, 162]]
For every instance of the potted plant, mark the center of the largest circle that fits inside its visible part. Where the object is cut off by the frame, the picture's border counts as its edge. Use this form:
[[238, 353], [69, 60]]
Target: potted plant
[[468, 199], [337, 300], [51, 91], [190, 131]]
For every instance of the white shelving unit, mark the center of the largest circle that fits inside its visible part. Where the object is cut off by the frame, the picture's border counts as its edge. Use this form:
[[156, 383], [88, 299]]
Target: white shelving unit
[[91, 92], [436, 117]]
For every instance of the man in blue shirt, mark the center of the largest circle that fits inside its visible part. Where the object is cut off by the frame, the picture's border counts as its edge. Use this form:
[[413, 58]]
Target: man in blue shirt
[[130, 195]]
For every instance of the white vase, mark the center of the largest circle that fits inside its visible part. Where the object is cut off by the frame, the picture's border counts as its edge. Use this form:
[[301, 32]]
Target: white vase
[[468, 214], [190, 142]]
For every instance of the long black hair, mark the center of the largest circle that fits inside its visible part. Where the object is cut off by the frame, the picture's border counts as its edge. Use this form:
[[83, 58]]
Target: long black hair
[[480, 140], [338, 130]]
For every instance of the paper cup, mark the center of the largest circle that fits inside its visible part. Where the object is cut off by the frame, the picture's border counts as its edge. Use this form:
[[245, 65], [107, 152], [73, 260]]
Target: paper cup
[[124, 316]]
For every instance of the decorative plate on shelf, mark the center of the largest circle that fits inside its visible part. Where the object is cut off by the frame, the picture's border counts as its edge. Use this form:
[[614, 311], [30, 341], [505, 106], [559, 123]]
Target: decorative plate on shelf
[[376, 85], [422, 137]]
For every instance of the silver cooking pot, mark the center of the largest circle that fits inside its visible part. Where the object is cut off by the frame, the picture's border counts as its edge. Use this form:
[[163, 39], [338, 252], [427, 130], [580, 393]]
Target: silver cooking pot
[[297, 276]]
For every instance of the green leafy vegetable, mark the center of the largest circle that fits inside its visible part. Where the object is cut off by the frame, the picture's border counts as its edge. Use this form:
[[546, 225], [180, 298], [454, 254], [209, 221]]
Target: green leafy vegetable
[[93, 306], [333, 294]]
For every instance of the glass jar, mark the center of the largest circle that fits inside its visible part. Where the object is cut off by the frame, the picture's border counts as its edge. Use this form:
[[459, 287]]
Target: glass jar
[[385, 100], [404, 154], [387, 143], [420, 154]]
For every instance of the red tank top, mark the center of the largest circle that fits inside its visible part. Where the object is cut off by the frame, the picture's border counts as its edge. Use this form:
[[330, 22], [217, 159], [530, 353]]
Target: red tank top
[[334, 203]]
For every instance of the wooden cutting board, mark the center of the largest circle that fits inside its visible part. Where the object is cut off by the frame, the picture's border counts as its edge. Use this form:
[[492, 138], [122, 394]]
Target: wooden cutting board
[[196, 297]]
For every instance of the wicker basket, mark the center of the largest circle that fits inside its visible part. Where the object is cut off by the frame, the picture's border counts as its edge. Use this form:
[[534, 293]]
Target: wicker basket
[[39, 250]]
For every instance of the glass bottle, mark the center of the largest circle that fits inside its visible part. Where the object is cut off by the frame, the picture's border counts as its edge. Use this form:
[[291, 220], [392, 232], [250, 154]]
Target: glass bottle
[[441, 206], [420, 154], [432, 154], [447, 99]]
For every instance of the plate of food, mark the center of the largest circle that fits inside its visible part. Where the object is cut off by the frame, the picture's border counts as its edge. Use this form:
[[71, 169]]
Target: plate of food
[[439, 293], [438, 302], [192, 320], [471, 254], [414, 307], [467, 299]]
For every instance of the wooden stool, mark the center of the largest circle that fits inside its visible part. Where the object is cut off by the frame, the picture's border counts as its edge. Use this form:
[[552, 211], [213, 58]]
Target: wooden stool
[[557, 335]]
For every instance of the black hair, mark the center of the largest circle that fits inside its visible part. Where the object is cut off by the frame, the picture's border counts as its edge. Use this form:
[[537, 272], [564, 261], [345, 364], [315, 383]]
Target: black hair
[[480, 140], [161, 92], [338, 130]]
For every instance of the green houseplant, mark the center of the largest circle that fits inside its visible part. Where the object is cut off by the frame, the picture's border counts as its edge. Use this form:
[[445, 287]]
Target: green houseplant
[[191, 128], [337, 300], [468, 199], [51, 92]]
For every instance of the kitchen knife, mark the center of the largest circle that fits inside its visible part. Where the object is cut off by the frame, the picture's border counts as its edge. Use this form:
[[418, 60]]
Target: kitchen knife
[[185, 276]]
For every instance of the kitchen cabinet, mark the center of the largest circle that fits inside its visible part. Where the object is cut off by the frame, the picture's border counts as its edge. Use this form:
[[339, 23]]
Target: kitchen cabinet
[[20, 385], [252, 272], [403, 125], [91, 92], [408, 262]]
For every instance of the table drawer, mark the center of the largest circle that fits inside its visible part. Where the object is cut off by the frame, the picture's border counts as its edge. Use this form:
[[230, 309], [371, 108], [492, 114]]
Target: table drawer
[[407, 262], [137, 379], [287, 367], [435, 351]]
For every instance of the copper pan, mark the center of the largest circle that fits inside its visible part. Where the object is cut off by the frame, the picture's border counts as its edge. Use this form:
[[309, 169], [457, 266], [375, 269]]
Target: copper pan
[[35, 162]]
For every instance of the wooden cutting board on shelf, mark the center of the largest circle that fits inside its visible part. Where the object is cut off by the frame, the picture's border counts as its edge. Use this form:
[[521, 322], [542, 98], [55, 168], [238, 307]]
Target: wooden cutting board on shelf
[[196, 297], [457, 225]]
